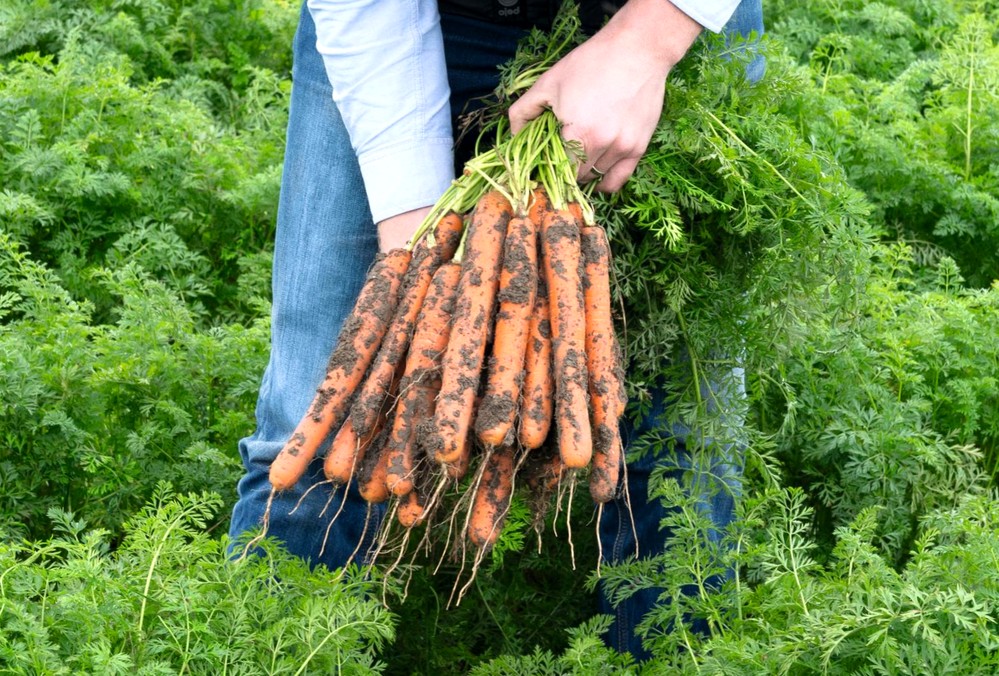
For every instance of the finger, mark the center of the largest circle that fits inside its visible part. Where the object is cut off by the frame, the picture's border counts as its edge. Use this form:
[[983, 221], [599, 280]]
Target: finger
[[600, 159], [527, 107], [591, 171], [618, 175]]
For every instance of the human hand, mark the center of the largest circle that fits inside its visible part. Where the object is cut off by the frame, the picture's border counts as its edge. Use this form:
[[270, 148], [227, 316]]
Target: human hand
[[608, 92], [395, 231]]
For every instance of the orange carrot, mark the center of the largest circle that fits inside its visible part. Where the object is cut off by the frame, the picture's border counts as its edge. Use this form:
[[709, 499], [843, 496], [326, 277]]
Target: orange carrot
[[426, 259], [605, 470], [517, 290], [371, 482], [446, 235], [457, 469], [346, 453], [537, 400], [492, 499], [602, 365], [562, 259], [539, 206], [543, 471], [421, 380], [373, 392], [462, 365], [356, 346], [411, 510]]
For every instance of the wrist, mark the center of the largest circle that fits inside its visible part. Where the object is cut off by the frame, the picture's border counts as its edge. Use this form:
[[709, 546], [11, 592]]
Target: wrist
[[657, 27], [395, 231]]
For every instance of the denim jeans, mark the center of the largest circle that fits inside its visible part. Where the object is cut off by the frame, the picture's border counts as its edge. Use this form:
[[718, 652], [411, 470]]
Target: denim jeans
[[325, 243]]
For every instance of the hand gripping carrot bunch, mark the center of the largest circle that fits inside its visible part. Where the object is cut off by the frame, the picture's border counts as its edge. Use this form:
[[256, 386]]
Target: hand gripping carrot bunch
[[488, 343]]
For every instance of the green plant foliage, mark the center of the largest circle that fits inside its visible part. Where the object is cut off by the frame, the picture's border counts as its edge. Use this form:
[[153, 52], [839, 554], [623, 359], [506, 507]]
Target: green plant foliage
[[528, 593], [586, 655], [857, 614], [895, 402], [906, 100], [95, 415], [103, 157], [829, 234], [785, 612], [167, 601]]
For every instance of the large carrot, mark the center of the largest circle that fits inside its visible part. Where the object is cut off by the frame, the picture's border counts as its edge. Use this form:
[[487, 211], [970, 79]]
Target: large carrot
[[356, 347], [537, 400], [562, 261], [492, 499], [346, 453], [517, 290], [426, 259], [421, 381], [539, 206], [457, 469], [371, 482], [446, 236], [373, 392], [543, 471], [462, 365], [602, 365]]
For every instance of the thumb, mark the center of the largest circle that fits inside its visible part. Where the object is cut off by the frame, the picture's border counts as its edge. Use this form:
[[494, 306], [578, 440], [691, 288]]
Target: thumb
[[529, 106]]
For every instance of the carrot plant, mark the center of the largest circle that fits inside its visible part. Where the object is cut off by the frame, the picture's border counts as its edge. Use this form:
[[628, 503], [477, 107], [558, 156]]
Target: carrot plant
[[168, 600], [905, 97], [827, 234]]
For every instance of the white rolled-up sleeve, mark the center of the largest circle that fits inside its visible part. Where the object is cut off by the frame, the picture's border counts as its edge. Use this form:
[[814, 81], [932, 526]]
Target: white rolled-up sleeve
[[711, 15], [385, 62]]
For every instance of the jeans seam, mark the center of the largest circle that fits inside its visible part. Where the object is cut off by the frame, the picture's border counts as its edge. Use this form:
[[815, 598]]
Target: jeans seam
[[617, 552]]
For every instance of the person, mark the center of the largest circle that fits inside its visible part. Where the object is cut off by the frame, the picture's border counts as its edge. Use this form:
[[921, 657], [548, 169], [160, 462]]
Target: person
[[377, 87]]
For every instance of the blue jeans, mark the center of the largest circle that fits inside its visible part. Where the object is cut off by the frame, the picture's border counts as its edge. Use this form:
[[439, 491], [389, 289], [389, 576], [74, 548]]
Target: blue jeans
[[325, 243]]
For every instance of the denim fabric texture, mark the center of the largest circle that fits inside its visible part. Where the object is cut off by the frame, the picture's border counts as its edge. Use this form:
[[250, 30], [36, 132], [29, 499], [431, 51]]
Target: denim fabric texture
[[325, 243]]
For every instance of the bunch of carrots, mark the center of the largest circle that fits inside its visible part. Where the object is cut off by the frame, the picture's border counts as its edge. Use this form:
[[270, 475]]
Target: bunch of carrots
[[482, 353]]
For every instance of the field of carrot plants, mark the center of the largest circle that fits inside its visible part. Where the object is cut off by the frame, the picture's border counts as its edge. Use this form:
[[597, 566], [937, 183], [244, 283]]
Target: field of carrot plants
[[832, 231]]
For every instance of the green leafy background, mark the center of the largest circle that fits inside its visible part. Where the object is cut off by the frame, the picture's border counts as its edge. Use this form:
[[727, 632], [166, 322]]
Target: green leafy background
[[832, 231]]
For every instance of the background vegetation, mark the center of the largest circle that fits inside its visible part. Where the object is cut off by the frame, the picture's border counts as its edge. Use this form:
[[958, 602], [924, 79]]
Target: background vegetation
[[832, 230]]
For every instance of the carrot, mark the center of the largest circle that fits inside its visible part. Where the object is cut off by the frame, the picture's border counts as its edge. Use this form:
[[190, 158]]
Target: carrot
[[346, 453], [356, 346], [517, 290], [492, 499], [459, 468], [543, 471], [562, 259], [537, 400], [373, 392], [371, 482], [539, 206], [411, 510], [462, 365], [426, 259], [605, 470], [602, 365], [421, 380], [537, 394], [446, 236]]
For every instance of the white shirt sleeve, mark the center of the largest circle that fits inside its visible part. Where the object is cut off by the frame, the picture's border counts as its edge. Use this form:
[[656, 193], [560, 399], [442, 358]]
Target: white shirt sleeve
[[712, 15], [385, 62]]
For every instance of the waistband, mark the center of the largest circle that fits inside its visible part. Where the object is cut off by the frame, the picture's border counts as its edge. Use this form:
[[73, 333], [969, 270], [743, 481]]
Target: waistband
[[529, 13]]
